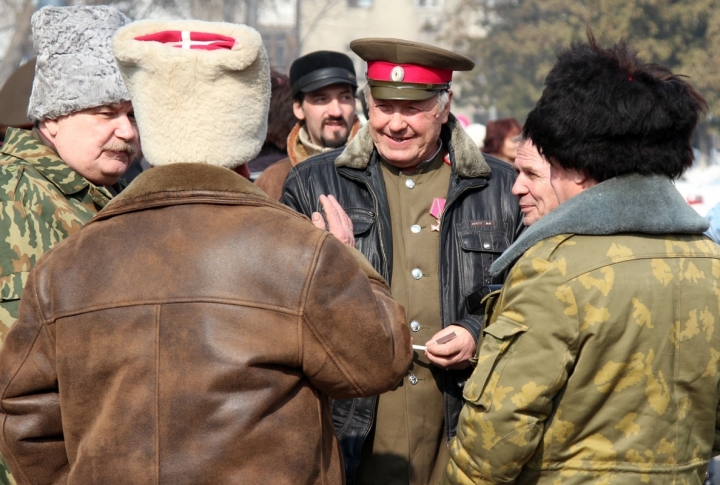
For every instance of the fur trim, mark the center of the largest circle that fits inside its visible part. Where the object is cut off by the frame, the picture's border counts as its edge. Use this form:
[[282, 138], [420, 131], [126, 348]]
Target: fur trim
[[75, 67], [467, 158], [630, 203], [196, 106], [185, 177]]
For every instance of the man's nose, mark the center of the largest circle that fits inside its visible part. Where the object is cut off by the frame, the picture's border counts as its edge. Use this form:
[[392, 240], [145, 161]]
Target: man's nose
[[397, 122], [334, 109], [125, 129]]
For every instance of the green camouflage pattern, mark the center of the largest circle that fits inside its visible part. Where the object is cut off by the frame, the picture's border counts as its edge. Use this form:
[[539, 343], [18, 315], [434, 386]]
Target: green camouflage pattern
[[599, 365], [43, 202]]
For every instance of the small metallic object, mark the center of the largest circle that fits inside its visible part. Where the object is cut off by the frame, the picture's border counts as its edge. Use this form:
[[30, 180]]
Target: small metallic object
[[415, 326], [415, 228], [486, 245], [416, 273], [413, 379], [419, 347], [445, 339], [409, 183]]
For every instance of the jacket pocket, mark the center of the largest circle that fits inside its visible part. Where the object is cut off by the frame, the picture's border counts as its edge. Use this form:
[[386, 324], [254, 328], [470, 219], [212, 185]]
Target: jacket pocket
[[478, 250], [362, 220], [492, 357]]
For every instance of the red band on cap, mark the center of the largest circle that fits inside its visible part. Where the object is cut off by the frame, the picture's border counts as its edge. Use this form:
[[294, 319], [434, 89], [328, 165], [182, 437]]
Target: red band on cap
[[184, 39], [411, 73]]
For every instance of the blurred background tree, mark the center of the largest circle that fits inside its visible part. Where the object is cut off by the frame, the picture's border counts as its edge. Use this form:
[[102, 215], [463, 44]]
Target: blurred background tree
[[515, 43]]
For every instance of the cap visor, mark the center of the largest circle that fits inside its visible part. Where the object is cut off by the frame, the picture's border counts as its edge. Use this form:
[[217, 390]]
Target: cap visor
[[321, 83], [387, 92]]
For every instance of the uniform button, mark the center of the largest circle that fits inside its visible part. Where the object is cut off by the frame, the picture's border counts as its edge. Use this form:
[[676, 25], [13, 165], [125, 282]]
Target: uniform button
[[415, 229], [413, 379], [417, 274], [415, 326], [409, 183], [12, 168], [486, 245]]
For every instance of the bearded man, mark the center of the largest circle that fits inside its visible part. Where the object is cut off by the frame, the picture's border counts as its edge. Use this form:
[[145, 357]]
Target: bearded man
[[323, 85]]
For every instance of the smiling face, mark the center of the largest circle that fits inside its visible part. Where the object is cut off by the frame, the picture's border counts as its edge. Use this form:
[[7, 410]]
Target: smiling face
[[532, 186], [98, 143], [328, 114], [406, 132]]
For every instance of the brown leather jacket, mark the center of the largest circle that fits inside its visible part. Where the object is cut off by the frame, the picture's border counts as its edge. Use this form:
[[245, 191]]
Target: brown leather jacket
[[272, 179], [191, 334]]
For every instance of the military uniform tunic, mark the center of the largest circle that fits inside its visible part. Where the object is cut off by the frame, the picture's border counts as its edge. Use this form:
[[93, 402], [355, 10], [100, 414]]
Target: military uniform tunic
[[43, 202], [407, 445]]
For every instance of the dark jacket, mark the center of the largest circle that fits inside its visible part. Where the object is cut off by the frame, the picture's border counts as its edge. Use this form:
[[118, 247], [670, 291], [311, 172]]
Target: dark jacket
[[190, 334], [481, 219]]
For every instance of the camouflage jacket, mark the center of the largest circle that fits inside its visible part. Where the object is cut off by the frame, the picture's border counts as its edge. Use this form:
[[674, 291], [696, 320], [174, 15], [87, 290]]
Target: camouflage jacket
[[600, 360], [43, 201]]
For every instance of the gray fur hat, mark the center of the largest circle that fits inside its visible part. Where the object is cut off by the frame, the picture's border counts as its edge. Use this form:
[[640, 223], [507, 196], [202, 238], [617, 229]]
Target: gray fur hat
[[75, 69]]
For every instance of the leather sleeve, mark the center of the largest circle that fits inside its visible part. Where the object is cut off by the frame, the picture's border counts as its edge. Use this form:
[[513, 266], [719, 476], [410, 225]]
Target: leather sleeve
[[32, 439], [294, 194], [355, 339]]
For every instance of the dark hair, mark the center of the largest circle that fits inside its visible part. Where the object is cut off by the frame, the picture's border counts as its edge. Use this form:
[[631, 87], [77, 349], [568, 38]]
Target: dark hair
[[281, 119], [497, 131], [604, 113]]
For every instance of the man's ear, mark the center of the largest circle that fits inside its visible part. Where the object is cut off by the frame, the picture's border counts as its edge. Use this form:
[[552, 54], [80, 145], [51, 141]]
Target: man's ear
[[49, 128], [298, 111], [445, 113]]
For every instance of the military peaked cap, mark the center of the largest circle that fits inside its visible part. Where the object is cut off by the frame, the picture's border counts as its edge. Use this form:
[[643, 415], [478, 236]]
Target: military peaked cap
[[402, 69]]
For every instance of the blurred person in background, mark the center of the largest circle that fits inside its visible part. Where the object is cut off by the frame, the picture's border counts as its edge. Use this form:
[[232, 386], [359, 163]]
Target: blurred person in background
[[501, 139], [14, 99], [600, 357], [323, 85], [281, 121]]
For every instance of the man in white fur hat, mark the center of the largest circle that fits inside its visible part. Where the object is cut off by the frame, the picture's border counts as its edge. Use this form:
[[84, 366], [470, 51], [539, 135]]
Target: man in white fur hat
[[207, 356], [56, 177]]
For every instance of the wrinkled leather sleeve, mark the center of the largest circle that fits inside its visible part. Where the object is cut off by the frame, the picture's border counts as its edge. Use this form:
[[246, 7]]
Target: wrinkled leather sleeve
[[355, 340], [32, 437]]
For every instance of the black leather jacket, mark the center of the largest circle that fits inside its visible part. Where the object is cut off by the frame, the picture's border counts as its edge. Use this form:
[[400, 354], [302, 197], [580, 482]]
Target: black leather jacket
[[481, 219]]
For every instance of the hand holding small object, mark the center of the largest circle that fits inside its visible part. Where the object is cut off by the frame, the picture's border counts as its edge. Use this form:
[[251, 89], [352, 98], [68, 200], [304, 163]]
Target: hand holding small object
[[442, 340]]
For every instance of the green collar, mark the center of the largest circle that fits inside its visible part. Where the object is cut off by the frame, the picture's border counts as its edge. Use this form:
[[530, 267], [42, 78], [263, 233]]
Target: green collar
[[33, 149]]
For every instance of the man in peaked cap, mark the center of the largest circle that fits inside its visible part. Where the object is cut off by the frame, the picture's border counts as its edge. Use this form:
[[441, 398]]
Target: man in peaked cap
[[600, 357], [208, 355], [431, 214], [323, 85]]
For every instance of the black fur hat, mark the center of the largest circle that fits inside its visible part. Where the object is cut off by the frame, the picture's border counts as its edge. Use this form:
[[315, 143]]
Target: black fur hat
[[606, 113]]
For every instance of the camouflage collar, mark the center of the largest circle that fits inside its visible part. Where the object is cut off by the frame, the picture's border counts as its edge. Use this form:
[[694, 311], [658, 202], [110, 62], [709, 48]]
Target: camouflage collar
[[33, 149]]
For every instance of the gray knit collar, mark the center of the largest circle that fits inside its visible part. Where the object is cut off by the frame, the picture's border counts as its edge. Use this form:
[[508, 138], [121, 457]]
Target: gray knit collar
[[630, 203], [467, 159]]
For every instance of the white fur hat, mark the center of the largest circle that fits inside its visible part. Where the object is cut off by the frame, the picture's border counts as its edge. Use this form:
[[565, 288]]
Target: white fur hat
[[200, 90], [75, 67]]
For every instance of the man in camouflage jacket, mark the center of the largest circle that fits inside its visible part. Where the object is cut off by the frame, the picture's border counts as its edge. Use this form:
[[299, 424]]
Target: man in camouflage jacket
[[600, 360], [56, 177]]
